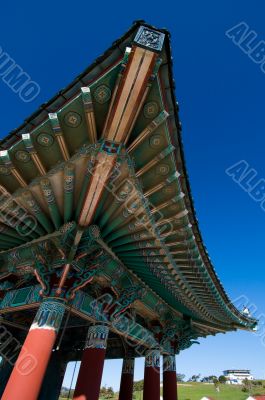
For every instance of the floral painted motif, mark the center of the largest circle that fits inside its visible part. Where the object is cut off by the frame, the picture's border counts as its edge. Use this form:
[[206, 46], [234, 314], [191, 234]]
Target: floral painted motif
[[45, 140], [72, 119], [151, 109], [102, 94], [4, 170], [22, 156]]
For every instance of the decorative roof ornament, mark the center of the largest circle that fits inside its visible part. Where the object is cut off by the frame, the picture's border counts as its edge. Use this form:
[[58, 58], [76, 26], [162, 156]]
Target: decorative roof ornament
[[150, 39]]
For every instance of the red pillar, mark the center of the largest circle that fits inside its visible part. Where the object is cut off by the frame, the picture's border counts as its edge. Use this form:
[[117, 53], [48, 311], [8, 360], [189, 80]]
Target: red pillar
[[126, 387], [152, 376], [30, 367], [169, 378], [91, 369]]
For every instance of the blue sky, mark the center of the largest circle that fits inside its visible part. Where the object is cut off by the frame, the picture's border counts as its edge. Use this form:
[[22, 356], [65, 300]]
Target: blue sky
[[221, 95]]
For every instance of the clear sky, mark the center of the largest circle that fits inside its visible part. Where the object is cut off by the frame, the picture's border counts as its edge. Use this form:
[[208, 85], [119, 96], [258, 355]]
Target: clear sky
[[221, 95]]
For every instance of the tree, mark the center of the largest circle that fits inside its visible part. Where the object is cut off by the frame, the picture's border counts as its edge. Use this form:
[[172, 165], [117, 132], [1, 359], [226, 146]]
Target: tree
[[106, 393], [222, 379], [246, 385], [180, 377], [65, 392], [195, 378], [257, 383], [216, 384], [103, 391], [208, 379], [212, 377], [110, 393], [138, 386]]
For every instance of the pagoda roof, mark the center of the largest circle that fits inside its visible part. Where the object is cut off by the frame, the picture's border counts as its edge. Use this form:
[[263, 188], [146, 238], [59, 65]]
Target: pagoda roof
[[44, 168]]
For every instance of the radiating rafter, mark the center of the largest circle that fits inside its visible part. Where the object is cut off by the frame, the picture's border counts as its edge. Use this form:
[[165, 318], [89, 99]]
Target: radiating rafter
[[5, 158], [155, 161], [173, 200], [15, 216], [69, 186], [90, 114], [162, 116], [28, 143], [156, 188], [10, 235], [50, 198], [36, 210], [173, 218], [54, 120]]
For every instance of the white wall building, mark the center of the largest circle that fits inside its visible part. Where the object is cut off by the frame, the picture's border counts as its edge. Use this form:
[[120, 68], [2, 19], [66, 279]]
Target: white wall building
[[237, 376]]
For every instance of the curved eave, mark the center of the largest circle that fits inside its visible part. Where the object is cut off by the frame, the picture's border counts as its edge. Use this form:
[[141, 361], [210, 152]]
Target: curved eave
[[249, 323], [64, 97]]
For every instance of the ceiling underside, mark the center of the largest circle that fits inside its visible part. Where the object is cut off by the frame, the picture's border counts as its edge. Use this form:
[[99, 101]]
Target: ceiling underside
[[81, 159]]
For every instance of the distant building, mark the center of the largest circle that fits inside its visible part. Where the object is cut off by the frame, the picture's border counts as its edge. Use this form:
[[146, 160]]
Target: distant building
[[237, 376]]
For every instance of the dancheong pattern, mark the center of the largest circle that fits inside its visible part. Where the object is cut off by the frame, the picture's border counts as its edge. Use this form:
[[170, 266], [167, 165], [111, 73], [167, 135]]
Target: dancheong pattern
[[152, 358], [49, 315], [115, 241], [102, 94], [169, 363], [128, 366], [45, 140], [97, 337], [72, 119]]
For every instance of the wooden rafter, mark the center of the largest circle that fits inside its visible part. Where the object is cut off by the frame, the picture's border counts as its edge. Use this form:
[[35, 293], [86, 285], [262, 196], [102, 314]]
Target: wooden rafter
[[59, 135], [90, 114], [27, 140], [4, 156]]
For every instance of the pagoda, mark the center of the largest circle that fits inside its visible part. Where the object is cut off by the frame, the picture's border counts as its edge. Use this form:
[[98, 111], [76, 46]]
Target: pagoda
[[101, 253]]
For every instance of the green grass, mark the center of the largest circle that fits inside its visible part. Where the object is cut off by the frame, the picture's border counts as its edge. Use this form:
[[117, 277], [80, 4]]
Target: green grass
[[101, 398], [195, 391]]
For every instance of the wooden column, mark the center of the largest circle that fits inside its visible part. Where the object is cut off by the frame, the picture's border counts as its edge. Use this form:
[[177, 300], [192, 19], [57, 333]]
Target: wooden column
[[53, 379], [5, 372], [126, 387], [91, 369], [29, 370], [152, 375], [169, 378]]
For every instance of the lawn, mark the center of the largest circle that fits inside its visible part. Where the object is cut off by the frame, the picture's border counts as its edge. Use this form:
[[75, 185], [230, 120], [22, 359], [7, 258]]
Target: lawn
[[195, 391]]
